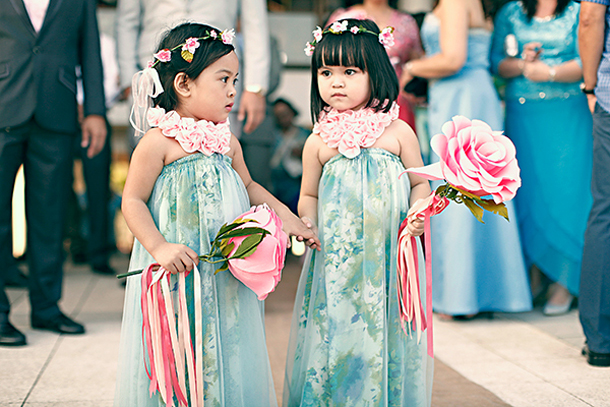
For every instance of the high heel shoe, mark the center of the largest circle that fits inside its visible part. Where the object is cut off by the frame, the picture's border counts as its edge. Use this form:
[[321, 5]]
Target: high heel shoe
[[558, 309]]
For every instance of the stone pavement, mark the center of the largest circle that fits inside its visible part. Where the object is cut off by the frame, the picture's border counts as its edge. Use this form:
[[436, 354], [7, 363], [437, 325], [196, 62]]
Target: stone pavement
[[520, 360]]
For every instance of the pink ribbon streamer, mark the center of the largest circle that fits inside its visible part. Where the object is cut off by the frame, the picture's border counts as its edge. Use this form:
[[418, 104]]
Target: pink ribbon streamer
[[167, 339], [407, 271]]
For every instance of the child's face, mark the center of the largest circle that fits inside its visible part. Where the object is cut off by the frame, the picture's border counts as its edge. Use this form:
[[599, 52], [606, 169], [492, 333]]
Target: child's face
[[344, 87], [212, 93]]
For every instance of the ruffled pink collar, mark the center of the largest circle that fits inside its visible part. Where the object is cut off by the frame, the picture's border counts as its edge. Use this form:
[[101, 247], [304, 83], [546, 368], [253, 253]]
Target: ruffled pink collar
[[350, 130], [202, 135]]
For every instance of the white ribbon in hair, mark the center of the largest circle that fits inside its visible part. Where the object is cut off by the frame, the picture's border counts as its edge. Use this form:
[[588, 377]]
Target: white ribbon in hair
[[145, 85]]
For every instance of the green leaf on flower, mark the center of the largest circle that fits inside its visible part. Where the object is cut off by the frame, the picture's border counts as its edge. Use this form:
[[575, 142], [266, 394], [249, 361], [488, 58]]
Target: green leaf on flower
[[248, 246], [230, 226], [491, 206], [227, 249], [476, 210], [224, 267], [245, 232]]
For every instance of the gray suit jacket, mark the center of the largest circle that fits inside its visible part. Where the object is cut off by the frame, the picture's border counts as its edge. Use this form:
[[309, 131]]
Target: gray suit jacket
[[142, 23], [38, 70]]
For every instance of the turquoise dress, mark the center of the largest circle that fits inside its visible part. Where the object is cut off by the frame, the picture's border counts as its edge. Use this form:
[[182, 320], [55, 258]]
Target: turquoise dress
[[551, 126], [476, 267], [346, 344], [191, 199]]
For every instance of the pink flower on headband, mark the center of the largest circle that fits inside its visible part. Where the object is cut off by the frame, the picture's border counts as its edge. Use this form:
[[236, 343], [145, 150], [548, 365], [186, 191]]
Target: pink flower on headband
[[386, 37], [213, 34], [149, 64], [354, 29], [164, 55], [317, 34], [338, 27], [309, 49], [191, 45], [228, 36]]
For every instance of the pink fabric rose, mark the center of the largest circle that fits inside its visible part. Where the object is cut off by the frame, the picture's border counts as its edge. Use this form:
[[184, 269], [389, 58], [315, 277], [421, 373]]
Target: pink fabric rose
[[164, 55], [227, 36], [262, 270], [386, 37], [474, 158], [191, 45], [155, 115]]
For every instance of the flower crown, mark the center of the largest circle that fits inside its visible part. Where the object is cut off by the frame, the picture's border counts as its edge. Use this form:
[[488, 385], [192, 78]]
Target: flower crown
[[386, 36], [191, 44]]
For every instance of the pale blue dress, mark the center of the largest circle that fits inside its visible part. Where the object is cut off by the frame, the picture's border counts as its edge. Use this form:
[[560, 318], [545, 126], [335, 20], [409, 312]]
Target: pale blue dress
[[551, 126], [346, 344], [476, 267], [191, 199]]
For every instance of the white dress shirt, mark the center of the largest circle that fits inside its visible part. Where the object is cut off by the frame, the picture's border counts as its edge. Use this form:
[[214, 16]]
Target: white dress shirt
[[37, 9]]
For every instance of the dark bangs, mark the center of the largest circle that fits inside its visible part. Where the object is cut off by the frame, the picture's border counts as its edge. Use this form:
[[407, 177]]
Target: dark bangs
[[363, 51]]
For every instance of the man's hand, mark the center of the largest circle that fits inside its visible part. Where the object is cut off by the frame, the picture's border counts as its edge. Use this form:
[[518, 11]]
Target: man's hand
[[252, 108], [94, 134]]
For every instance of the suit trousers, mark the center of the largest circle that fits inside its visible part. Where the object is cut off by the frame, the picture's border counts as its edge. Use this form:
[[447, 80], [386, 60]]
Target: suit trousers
[[47, 159], [594, 299]]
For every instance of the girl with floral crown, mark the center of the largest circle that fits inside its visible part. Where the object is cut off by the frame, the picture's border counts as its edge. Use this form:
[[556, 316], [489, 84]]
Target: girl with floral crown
[[187, 177], [347, 346]]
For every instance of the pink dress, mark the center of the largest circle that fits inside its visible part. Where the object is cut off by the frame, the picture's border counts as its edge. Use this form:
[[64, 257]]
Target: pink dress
[[406, 40]]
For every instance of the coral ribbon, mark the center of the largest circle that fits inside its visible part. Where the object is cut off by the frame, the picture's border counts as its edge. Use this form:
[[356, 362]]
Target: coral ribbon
[[167, 340], [407, 271]]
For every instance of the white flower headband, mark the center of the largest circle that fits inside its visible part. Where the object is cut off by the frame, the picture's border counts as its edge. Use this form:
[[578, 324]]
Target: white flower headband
[[191, 44], [386, 36], [146, 84]]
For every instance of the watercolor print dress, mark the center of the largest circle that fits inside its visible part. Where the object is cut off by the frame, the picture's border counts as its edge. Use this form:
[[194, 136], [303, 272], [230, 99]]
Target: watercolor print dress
[[191, 199], [347, 347]]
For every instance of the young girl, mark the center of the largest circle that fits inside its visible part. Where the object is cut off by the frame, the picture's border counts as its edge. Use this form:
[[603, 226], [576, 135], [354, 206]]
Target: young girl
[[186, 178], [347, 347]]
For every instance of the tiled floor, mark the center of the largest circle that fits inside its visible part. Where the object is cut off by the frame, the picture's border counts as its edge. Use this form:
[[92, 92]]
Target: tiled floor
[[512, 360]]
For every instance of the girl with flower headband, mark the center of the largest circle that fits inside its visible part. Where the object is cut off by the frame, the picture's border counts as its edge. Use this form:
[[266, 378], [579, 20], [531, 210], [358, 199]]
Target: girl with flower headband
[[347, 346], [187, 177]]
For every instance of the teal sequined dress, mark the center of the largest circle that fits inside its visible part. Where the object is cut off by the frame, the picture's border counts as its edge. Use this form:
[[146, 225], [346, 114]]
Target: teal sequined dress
[[347, 347], [191, 199]]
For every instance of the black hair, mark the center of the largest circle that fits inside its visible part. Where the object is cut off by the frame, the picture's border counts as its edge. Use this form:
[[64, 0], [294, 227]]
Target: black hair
[[362, 50], [209, 51], [288, 104], [529, 6]]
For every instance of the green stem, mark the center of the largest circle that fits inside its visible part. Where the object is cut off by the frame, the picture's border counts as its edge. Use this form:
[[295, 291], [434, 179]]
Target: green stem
[[204, 257]]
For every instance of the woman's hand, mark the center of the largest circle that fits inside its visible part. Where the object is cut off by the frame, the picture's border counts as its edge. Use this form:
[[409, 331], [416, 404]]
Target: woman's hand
[[176, 258], [537, 71], [531, 51]]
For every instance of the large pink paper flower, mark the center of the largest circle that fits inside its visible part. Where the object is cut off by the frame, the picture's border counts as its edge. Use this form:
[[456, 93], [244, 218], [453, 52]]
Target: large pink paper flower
[[474, 158], [262, 270]]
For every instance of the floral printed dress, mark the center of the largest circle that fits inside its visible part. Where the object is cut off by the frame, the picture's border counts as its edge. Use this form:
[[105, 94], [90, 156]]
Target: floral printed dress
[[347, 347], [192, 198]]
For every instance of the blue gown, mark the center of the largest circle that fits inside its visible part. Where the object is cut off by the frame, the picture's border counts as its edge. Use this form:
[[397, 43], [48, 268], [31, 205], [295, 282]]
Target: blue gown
[[476, 267], [551, 126], [191, 199], [347, 347]]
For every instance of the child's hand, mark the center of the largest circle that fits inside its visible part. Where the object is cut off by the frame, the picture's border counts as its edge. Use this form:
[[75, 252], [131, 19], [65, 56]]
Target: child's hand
[[176, 258], [304, 230], [415, 227]]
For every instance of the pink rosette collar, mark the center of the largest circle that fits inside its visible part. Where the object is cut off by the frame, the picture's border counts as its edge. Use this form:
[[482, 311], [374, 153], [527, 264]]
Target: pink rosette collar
[[349, 130], [202, 135]]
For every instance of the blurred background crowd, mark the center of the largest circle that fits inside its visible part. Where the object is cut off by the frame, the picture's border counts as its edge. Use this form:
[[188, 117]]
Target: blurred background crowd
[[513, 64]]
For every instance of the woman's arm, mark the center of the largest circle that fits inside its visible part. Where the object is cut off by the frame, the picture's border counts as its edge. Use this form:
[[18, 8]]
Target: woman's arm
[[292, 225], [146, 164], [454, 20]]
